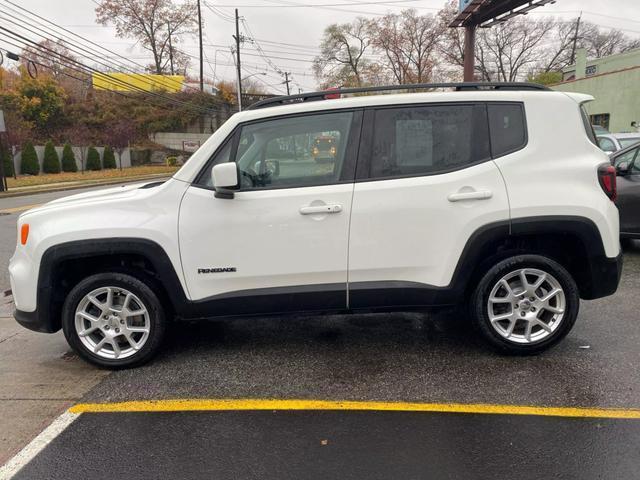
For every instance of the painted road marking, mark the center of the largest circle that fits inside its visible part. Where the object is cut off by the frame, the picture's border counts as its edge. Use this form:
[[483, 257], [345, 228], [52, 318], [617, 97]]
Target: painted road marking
[[36, 445], [275, 404], [23, 208]]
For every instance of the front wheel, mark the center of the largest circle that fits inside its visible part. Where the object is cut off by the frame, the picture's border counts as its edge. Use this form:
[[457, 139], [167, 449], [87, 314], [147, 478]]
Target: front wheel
[[113, 320], [525, 304]]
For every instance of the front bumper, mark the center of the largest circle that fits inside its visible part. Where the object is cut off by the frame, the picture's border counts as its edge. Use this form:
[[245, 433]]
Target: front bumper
[[604, 277], [33, 321]]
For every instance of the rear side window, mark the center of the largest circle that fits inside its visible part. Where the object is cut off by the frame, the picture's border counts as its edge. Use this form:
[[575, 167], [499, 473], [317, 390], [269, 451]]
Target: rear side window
[[425, 140], [508, 131]]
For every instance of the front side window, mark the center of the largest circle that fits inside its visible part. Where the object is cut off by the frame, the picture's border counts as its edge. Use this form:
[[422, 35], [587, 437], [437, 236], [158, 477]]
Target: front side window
[[292, 152], [425, 140]]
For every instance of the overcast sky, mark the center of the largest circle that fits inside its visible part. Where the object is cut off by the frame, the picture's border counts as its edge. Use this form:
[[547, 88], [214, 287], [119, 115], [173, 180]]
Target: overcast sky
[[297, 30]]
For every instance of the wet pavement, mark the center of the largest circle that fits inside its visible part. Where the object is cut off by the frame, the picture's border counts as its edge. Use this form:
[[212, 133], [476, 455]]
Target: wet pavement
[[345, 445], [377, 357]]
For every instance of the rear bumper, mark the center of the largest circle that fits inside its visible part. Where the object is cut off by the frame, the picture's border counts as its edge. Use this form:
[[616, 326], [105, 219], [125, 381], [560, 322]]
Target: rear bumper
[[605, 275]]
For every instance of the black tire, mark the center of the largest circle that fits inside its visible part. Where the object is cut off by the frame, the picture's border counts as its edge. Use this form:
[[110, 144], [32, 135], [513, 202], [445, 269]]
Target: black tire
[[157, 320], [479, 309]]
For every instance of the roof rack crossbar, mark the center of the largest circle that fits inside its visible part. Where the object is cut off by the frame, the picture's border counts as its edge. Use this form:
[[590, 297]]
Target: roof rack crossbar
[[459, 86]]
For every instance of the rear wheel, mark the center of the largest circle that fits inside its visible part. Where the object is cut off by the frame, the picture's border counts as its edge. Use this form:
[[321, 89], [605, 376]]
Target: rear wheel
[[525, 304], [113, 320]]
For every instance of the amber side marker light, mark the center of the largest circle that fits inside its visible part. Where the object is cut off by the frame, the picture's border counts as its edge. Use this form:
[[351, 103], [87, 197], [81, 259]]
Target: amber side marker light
[[24, 233]]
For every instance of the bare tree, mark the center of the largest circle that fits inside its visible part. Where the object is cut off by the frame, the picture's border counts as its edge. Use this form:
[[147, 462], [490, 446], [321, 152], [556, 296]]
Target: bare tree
[[601, 43], [156, 24], [80, 136], [119, 136], [341, 60]]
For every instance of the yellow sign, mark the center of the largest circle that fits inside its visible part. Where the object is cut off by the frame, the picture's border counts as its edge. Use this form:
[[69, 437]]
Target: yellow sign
[[134, 82]]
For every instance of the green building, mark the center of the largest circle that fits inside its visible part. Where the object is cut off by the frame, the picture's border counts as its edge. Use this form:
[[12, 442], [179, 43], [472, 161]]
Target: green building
[[614, 81]]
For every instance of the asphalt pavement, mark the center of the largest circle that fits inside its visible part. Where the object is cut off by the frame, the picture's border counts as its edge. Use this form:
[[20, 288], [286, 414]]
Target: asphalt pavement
[[377, 357]]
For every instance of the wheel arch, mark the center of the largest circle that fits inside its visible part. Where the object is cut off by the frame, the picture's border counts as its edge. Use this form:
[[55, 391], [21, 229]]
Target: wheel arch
[[574, 242], [62, 266]]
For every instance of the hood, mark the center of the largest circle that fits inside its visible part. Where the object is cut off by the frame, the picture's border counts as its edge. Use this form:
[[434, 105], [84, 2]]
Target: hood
[[131, 190]]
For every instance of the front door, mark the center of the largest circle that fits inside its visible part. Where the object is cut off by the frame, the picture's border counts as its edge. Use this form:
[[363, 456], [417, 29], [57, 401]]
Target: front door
[[281, 243]]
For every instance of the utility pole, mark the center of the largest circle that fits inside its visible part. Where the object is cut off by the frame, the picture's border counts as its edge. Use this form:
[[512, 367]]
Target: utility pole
[[170, 48], [200, 34], [238, 39], [575, 40], [286, 80]]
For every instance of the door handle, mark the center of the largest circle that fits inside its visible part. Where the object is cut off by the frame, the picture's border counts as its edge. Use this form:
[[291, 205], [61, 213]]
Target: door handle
[[472, 195], [311, 209]]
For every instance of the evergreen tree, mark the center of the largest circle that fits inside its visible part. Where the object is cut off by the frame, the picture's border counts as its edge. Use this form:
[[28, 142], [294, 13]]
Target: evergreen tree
[[7, 160], [29, 160], [51, 162], [108, 158], [68, 159], [93, 159]]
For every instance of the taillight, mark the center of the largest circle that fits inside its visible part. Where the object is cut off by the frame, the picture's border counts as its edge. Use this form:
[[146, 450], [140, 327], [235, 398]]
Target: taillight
[[607, 180]]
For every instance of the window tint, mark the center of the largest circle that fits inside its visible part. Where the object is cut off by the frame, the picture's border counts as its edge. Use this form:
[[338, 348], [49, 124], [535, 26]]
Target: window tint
[[508, 133], [428, 139], [292, 152]]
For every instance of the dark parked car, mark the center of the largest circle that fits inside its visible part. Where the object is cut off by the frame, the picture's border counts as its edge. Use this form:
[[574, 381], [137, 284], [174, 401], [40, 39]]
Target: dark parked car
[[627, 163]]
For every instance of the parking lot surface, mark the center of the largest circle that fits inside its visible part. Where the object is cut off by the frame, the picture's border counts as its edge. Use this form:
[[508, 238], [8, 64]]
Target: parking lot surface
[[408, 357], [330, 444]]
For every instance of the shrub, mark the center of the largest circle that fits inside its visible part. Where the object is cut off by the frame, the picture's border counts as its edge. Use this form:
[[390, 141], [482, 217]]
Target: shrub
[[51, 162], [108, 158], [93, 159], [7, 160], [68, 159], [29, 160], [172, 161]]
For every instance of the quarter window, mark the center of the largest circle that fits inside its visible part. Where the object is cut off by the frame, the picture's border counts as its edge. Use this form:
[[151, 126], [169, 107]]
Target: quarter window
[[508, 133], [426, 140]]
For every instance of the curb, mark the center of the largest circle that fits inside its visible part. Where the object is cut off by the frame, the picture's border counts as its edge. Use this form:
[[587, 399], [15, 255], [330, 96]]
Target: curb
[[63, 188]]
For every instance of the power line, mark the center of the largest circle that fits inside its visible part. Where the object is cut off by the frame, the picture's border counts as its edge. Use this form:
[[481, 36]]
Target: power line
[[69, 41], [70, 62]]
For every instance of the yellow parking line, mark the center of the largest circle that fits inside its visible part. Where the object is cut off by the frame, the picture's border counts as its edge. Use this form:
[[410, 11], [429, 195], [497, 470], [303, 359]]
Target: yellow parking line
[[23, 208], [275, 404]]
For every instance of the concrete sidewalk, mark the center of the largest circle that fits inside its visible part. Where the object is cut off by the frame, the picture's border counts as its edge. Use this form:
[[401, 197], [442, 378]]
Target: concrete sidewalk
[[39, 379]]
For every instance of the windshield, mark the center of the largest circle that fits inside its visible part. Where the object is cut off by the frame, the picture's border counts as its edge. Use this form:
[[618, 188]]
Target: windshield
[[627, 142]]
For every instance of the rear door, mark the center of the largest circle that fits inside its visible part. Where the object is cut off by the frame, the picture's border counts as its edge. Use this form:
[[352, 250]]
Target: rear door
[[425, 183]]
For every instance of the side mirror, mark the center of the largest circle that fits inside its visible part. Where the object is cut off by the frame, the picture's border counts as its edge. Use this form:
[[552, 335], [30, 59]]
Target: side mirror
[[225, 177], [622, 169]]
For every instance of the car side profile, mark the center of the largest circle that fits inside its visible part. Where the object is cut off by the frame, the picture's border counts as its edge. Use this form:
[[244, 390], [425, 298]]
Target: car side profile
[[627, 164], [493, 196]]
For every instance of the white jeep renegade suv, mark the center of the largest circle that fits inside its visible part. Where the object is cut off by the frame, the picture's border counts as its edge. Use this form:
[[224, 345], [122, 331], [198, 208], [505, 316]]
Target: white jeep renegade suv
[[493, 196]]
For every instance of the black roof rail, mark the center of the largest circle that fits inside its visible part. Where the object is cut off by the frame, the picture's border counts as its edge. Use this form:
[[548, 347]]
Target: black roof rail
[[458, 86]]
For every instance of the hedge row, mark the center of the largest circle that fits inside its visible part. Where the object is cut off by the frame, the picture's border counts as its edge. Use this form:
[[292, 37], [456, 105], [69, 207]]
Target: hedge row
[[52, 164]]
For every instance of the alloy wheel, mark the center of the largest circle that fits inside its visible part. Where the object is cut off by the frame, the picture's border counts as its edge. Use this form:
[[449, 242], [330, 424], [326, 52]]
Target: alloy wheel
[[112, 322], [526, 306]]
